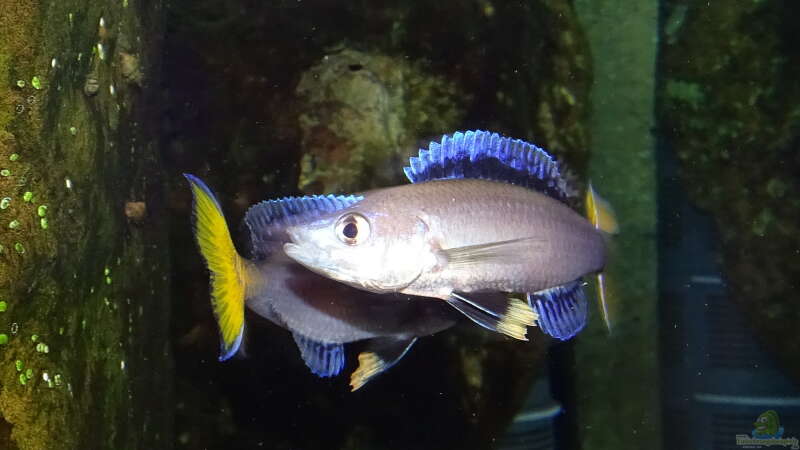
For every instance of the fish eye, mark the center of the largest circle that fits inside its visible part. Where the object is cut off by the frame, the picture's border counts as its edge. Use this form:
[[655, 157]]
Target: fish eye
[[352, 229]]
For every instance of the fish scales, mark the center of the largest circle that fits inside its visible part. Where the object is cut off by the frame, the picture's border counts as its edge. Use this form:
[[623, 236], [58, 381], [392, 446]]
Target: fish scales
[[425, 220], [562, 247]]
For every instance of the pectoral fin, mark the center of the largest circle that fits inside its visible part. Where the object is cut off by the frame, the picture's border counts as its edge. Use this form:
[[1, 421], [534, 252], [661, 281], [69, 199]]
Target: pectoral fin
[[562, 310], [380, 355], [511, 250], [495, 311], [324, 359]]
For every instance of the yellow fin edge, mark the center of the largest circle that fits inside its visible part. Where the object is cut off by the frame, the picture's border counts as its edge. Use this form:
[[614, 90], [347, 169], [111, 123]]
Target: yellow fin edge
[[369, 365], [228, 271], [517, 318], [600, 213]]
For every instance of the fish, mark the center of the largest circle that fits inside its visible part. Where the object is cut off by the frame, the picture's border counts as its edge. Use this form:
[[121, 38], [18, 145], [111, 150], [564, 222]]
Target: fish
[[483, 214], [322, 314]]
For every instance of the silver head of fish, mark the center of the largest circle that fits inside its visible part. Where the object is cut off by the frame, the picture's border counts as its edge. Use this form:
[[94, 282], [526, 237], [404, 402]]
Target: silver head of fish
[[365, 248]]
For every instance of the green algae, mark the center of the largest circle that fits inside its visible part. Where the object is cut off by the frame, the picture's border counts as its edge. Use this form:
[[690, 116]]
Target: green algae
[[741, 169], [3, 339], [682, 91], [103, 409]]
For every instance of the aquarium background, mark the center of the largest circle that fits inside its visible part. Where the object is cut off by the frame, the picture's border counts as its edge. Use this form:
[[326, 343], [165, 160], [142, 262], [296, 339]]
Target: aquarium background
[[683, 114]]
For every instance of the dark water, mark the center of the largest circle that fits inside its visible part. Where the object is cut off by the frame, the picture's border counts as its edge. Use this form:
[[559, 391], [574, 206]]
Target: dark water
[[683, 114]]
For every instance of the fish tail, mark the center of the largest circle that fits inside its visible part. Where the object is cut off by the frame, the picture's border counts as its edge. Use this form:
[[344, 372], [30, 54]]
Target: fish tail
[[228, 270], [603, 298], [601, 215]]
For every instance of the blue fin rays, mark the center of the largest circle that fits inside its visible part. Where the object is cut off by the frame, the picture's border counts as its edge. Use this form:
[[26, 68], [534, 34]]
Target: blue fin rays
[[324, 359], [270, 217], [485, 155], [563, 310]]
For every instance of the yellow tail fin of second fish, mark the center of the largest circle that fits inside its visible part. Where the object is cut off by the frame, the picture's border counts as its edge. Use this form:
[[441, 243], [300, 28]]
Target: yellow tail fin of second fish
[[601, 215], [227, 269]]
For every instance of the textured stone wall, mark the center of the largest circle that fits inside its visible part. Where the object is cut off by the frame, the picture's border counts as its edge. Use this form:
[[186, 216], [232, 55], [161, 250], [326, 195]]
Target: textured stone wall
[[84, 287]]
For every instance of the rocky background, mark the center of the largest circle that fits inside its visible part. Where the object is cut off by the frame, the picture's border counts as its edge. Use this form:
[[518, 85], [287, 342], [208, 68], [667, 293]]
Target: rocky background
[[729, 103], [84, 266]]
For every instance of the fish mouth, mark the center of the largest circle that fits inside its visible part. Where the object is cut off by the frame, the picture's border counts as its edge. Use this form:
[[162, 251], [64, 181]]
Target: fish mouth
[[320, 261], [293, 236], [299, 254], [312, 259]]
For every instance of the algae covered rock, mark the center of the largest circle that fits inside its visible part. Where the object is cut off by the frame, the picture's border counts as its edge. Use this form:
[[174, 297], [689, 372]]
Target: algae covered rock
[[83, 292], [361, 115], [730, 102]]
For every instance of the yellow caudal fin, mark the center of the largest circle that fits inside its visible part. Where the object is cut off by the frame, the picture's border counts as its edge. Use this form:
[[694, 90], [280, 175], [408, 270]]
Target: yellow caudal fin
[[601, 215], [227, 269]]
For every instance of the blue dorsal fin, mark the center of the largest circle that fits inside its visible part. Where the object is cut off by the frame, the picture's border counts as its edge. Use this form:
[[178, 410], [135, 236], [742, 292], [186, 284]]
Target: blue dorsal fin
[[563, 310], [324, 359], [485, 155], [267, 220]]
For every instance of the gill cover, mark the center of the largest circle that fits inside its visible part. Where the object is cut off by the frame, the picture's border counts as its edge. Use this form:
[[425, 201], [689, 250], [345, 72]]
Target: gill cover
[[227, 270]]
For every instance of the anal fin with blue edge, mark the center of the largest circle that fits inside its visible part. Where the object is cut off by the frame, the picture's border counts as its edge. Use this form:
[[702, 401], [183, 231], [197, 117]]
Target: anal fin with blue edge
[[324, 359], [495, 311], [562, 310], [380, 355]]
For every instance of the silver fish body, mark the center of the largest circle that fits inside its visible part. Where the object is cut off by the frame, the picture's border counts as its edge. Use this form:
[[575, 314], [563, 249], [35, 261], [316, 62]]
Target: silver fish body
[[327, 311], [437, 237]]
